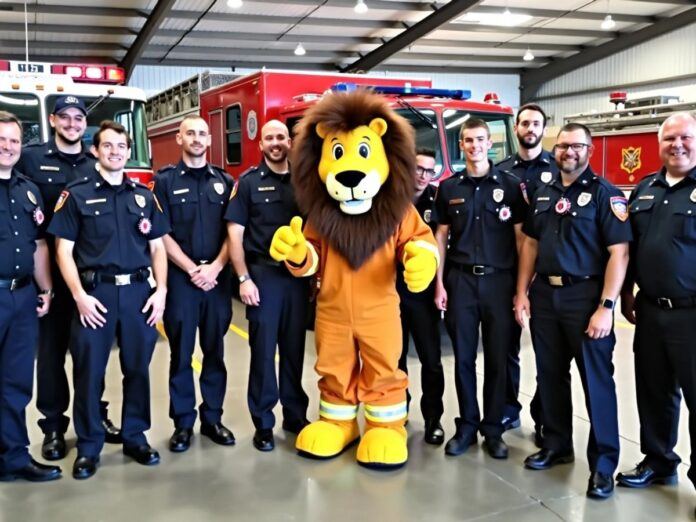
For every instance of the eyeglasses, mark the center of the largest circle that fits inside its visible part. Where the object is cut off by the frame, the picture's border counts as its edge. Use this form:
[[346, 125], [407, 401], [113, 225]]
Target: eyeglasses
[[424, 172], [577, 147]]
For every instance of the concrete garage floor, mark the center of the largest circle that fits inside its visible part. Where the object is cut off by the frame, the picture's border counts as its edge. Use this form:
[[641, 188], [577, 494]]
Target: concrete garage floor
[[210, 482]]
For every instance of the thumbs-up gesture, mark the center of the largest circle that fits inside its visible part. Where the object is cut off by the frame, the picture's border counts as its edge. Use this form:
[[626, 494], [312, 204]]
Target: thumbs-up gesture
[[420, 265], [289, 243]]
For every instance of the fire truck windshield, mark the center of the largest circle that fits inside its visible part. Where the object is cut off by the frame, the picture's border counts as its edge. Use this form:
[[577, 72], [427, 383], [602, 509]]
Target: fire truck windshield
[[426, 135], [26, 107], [501, 134]]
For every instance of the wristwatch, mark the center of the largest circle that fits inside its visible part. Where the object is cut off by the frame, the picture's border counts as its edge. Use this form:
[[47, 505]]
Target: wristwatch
[[607, 303], [245, 277]]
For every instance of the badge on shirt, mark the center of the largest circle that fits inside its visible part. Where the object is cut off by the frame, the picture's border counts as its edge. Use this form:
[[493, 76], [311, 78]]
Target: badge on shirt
[[523, 188], [31, 197], [546, 177], [144, 226], [584, 198], [61, 200], [498, 195], [427, 215], [38, 216], [619, 206], [692, 197], [562, 206], [140, 200], [219, 188], [504, 213]]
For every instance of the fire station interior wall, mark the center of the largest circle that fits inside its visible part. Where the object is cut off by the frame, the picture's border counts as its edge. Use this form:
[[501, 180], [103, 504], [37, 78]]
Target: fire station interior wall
[[155, 78], [654, 62]]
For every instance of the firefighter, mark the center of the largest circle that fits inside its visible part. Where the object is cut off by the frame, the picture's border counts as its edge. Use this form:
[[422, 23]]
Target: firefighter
[[25, 254], [663, 217], [577, 244], [194, 195], [419, 317], [51, 165], [532, 164], [481, 209], [276, 301], [109, 232]]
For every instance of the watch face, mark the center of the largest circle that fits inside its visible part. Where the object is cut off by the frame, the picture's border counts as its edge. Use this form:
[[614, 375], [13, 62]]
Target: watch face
[[608, 303]]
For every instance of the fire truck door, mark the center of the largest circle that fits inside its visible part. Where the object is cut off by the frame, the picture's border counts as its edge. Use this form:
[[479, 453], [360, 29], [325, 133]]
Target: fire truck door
[[218, 139]]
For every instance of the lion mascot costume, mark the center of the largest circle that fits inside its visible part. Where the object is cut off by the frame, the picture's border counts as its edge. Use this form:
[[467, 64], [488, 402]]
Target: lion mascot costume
[[353, 160]]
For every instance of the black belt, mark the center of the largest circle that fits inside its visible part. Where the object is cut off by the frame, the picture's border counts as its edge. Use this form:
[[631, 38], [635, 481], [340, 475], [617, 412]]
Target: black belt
[[15, 284], [669, 303], [565, 280], [477, 270], [256, 259], [92, 277]]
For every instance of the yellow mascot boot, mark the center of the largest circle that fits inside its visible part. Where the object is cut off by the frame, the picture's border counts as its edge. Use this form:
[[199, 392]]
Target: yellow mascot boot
[[383, 448], [325, 439]]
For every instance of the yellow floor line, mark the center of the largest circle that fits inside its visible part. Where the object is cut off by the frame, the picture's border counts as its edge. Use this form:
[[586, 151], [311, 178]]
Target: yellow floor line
[[241, 333], [624, 324]]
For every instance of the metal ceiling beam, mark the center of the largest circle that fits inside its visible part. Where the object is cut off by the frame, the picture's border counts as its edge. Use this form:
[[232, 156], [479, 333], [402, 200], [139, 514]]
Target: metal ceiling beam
[[547, 31], [84, 10], [568, 14], [531, 80], [62, 59], [428, 24], [71, 29], [68, 46], [149, 28]]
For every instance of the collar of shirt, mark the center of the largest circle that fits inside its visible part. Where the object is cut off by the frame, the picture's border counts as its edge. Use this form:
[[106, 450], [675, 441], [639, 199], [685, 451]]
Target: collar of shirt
[[265, 171], [182, 168], [52, 149], [545, 158], [493, 175], [583, 180], [102, 184], [660, 178]]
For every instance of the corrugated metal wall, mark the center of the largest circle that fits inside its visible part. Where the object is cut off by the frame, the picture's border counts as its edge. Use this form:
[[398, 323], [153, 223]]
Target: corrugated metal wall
[[671, 55]]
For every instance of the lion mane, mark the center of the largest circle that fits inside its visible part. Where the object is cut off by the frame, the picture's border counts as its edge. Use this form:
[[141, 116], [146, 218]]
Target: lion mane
[[355, 237]]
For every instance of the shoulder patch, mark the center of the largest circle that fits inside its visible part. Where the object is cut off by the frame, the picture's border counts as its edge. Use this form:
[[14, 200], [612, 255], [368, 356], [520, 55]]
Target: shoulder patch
[[234, 190], [248, 171], [166, 168], [619, 206], [64, 195]]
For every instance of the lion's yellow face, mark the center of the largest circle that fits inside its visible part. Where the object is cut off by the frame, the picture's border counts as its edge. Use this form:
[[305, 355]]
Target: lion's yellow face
[[353, 165]]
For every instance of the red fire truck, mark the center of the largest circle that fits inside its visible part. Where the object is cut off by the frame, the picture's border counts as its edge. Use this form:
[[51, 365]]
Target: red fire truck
[[625, 139], [236, 109], [29, 90]]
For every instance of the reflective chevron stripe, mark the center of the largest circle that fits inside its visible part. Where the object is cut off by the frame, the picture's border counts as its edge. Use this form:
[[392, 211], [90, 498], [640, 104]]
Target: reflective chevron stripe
[[386, 414], [338, 411]]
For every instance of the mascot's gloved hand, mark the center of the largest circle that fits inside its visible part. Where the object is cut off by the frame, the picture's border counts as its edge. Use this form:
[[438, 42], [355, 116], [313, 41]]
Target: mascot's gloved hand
[[420, 265], [289, 243]]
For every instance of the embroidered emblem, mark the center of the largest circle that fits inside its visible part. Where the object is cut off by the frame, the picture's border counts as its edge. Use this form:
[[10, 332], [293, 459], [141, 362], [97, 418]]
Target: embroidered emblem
[[619, 206], [427, 215], [504, 213], [584, 198], [562, 206], [61, 200], [140, 200], [38, 216], [219, 188], [498, 195], [144, 226], [546, 177]]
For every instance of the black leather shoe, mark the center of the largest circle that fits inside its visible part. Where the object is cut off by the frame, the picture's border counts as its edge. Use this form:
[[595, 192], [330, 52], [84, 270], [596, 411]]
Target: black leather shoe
[[294, 426], [218, 434], [263, 440], [180, 440], [112, 435], [53, 447], [84, 467], [144, 454], [643, 476], [510, 423], [600, 485], [464, 437], [434, 434], [546, 458], [496, 447], [33, 472]]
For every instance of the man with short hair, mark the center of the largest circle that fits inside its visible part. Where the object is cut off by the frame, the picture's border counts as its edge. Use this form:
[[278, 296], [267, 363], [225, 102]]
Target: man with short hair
[[419, 317], [63, 159], [663, 215], [24, 260], [577, 243], [194, 196], [109, 232], [481, 212], [263, 200]]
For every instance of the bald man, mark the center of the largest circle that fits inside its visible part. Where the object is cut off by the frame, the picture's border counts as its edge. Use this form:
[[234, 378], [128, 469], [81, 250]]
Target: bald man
[[263, 201]]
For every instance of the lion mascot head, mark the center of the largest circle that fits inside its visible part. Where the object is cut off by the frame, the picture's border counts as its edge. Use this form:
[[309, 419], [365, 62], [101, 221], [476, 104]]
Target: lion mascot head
[[352, 171]]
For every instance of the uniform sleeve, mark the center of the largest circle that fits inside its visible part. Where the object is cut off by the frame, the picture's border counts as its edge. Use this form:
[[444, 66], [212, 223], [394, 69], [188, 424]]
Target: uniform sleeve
[[528, 224], [413, 228], [160, 191], [434, 218], [441, 216], [160, 222], [238, 206], [520, 208], [66, 218], [40, 211], [612, 213]]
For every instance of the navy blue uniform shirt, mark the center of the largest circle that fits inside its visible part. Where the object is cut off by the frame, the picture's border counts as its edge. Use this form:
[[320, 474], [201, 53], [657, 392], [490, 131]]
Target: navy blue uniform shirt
[[664, 227], [110, 225], [262, 202], [21, 214], [194, 202], [574, 233], [426, 206], [481, 214], [530, 172]]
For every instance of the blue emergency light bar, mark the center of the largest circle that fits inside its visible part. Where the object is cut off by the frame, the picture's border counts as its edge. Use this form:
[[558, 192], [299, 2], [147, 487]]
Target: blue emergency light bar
[[405, 91]]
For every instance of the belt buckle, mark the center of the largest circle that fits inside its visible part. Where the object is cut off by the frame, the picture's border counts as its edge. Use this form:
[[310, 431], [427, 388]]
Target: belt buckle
[[478, 270], [555, 280], [665, 302], [13, 285], [122, 279]]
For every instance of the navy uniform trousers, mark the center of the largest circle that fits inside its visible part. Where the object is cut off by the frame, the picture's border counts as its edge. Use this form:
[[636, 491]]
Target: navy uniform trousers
[[665, 361], [18, 336], [280, 319], [559, 318], [512, 403], [484, 300], [90, 350], [421, 319], [189, 309]]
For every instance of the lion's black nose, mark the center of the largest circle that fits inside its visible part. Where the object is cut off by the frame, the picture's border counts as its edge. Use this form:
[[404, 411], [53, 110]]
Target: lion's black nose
[[350, 178]]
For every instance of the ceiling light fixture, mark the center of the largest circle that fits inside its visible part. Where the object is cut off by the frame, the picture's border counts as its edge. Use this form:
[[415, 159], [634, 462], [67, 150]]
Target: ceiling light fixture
[[360, 7], [234, 4], [528, 56], [300, 50], [608, 23]]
